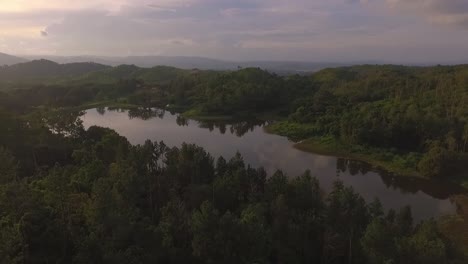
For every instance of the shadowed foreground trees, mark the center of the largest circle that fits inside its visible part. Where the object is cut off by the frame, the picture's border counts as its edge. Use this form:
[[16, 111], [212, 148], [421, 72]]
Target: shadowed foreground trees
[[112, 202]]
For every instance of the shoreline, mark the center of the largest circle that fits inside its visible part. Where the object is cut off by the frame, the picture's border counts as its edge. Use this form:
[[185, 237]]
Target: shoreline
[[320, 145], [328, 146], [314, 145]]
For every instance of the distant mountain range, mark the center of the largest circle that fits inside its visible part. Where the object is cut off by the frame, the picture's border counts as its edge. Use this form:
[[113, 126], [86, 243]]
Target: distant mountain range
[[48, 72], [182, 62], [6, 59], [185, 62]]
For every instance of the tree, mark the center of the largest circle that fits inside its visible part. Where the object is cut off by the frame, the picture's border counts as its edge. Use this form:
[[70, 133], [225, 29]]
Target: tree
[[221, 166], [433, 162], [226, 192], [378, 242], [376, 209], [404, 221], [190, 165], [425, 246], [255, 244], [347, 215], [66, 123], [175, 228], [204, 226], [465, 138], [42, 237], [276, 185], [280, 231], [8, 167], [304, 194], [11, 242]]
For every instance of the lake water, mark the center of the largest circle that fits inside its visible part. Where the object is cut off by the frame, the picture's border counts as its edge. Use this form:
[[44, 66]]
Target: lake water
[[258, 148]]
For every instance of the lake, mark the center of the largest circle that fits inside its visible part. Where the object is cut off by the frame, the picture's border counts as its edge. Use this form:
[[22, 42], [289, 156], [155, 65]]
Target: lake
[[258, 148]]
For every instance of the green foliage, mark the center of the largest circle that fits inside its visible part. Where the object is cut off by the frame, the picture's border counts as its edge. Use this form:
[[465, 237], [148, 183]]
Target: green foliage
[[117, 203], [175, 230], [424, 246], [11, 241], [378, 243], [294, 131], [8, 166], [394, 109], [69, 195], [432, 163]]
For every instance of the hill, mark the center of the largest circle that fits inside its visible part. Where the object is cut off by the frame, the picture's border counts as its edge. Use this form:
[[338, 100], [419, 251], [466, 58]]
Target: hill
[[202, 63], [42, 69], [6, 59], [183, 62], [158, 74]]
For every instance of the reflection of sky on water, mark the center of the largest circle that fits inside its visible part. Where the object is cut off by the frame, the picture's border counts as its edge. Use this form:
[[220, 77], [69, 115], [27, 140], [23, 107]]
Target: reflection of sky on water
[[275, 152]]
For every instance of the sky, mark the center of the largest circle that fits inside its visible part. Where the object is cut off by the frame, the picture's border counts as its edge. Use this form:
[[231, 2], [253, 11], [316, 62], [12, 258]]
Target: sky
[[401, 31]]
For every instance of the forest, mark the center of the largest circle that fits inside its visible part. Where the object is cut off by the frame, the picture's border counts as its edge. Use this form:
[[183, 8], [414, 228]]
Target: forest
[[89, 196], [408, 120], [70, 195]]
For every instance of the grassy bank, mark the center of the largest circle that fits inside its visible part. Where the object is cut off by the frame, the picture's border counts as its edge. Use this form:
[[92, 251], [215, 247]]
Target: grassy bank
[[311, 139], [293, 131], [401, 164], [391, 162], [326, 145]]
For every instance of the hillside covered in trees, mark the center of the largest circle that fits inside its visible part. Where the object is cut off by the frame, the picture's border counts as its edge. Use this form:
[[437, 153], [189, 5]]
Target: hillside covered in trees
[[410, 120], [43, 70]]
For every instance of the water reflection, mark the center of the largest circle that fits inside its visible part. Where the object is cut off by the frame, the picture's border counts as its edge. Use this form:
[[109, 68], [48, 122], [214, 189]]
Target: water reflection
[[182, 121], [235, 127], [435, 188], [258, 148], [101, 110], [146, 113], [238, 128]]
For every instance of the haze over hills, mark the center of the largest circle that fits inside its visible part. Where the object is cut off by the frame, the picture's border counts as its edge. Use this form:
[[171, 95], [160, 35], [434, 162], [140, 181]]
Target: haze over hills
[[202, 63], [6, 59], [40, 69], [185, 62], [80, 69], [85, 69]]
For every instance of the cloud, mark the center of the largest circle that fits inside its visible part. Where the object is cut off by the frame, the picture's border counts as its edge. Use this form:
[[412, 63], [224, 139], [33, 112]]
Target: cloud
[[447, 12], [161, 8], [181, 42], [330, 30], [20, 6]]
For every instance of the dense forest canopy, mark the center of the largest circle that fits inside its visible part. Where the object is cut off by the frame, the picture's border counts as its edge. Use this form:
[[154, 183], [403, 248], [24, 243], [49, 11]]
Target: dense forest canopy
[[70, 195], [414, 118], [76, 196]]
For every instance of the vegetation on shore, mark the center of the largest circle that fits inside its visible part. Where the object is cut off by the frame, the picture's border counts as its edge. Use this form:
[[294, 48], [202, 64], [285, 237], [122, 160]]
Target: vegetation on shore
[[198, 115], [391, 162], [407, 119]]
